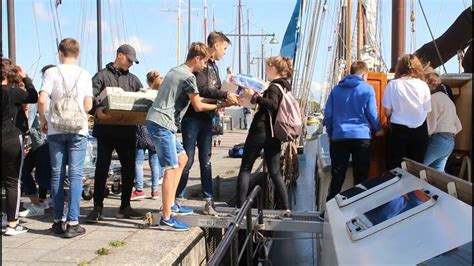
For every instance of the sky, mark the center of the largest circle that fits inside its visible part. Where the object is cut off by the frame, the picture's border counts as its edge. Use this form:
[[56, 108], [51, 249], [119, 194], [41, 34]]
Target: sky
[[151, 27]]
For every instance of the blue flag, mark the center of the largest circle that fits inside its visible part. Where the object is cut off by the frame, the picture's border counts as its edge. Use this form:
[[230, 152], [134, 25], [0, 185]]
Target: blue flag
[[290, 40]]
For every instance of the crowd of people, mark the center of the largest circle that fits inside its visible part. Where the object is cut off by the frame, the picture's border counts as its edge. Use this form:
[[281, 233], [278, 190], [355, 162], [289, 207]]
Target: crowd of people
[[189, 98], [421, 114], [422, 120]]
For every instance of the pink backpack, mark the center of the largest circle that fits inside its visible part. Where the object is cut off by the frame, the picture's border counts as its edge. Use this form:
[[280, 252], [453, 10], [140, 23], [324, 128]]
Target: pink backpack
[[288, 122]]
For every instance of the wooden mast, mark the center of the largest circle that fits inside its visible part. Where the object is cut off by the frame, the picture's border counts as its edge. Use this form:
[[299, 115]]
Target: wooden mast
[[398, 31]]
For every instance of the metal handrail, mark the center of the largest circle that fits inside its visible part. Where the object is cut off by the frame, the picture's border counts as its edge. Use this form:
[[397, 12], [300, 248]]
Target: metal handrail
[[230, 237]]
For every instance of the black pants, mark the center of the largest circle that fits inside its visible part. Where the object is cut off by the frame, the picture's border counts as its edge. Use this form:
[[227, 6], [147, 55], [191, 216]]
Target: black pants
[[407, 142], [37, 160], [126, 152], [11, 161], [340, 150], [255, 142]]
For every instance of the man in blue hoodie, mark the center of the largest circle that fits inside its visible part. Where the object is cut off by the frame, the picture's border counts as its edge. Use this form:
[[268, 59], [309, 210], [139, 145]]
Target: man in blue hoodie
[[349, 117]]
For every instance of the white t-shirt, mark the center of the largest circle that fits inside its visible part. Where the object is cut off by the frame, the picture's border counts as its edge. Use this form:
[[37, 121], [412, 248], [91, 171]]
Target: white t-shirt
[[53, 85], [410, 101]]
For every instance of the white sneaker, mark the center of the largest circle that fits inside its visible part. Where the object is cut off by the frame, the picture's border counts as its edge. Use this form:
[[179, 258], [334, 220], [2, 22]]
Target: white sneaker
[[31, 211], [13, 231]]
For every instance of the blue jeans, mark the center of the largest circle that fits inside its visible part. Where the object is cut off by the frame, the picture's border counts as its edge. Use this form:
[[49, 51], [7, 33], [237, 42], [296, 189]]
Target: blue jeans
[[197, 130], [440, 146], [166, 145], [67, 149], [154, 166]]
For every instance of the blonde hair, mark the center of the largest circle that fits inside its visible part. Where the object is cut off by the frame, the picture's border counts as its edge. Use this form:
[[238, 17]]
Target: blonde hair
[[198, 49], [409, 65], [154, 79], [283, 65]]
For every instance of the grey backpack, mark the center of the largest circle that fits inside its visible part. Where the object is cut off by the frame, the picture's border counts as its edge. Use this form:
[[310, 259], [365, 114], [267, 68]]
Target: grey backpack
[[288, 123], [66, 114]]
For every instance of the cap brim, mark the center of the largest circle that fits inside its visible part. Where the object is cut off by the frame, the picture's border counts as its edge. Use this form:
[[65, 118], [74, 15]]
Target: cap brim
[[133, 59]]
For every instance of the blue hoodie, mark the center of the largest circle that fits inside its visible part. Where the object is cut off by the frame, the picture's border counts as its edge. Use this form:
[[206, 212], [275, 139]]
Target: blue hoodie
[[351, 111]]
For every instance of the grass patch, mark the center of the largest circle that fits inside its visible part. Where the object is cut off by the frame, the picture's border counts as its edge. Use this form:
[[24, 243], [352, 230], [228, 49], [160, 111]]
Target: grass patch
[[117, 243], [83, 263], [103, 251]]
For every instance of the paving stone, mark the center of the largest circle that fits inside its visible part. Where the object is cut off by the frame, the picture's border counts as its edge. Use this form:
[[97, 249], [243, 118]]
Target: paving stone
[[101, 235], [52, 244], [13, 242], [82, 244], [22, 254], [69, 256]]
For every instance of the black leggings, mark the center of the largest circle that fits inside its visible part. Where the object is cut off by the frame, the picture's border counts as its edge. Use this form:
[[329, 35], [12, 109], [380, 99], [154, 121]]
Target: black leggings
[[255, 142], [11, 162]]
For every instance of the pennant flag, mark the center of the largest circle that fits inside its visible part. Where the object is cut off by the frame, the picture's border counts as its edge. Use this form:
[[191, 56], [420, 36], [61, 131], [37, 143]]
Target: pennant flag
[[290, 40]]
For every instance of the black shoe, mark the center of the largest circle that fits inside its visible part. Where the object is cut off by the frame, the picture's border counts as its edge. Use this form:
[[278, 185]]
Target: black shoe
[[74, 230], [57, 228], [95, 215], [129, 213]]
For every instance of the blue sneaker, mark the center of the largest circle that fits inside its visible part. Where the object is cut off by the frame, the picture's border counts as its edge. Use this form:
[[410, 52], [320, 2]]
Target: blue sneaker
[[181, 210], [172, 224]]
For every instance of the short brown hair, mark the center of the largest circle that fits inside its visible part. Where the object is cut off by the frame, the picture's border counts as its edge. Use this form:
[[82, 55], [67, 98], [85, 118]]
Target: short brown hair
[[198, 49], [359, 68], [282, 64], [215, 37], [409, 65], [154, 79], [69, 47]]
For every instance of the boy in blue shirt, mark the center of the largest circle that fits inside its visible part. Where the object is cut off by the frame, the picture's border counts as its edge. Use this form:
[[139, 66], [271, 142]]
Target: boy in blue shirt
[[350, 117]]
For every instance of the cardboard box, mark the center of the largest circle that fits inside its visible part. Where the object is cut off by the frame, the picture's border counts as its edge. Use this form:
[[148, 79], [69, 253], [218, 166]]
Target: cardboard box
[[126, 108]]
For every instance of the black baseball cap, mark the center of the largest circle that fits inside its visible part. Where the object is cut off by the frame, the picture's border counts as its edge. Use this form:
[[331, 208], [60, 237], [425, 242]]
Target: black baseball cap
[[129, 52]]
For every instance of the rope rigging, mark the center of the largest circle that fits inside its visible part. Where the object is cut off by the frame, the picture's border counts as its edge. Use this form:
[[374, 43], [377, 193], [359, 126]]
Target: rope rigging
[[432, 37]]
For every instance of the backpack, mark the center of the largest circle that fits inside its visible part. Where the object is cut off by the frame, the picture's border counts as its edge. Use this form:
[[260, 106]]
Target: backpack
[[288, 122], [66, 114], [237, 151]]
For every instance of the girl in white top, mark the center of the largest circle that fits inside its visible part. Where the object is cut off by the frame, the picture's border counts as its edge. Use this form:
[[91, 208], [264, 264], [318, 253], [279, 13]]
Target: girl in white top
[[443, 125], [406, 102]]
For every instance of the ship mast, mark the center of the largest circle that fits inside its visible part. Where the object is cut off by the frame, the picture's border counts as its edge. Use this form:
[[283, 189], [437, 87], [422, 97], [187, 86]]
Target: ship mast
[[398, 31]]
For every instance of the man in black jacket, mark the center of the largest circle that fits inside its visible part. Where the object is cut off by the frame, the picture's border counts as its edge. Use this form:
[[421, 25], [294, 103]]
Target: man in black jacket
[[196, 127], [110, 137]]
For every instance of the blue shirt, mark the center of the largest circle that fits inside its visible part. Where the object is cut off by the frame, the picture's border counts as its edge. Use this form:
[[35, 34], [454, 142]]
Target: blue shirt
[[351, 111]]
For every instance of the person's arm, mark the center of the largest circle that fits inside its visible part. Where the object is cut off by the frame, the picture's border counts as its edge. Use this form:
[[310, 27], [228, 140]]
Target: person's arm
[[386, 101], [42, 101], [199, 106], [371, 112], [88, 95], [189, 87], [270, 101], [97, 87], [327, 121]]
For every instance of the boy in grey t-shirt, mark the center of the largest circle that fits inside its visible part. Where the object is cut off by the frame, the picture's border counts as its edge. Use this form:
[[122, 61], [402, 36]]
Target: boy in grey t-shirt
[[177, 91]]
